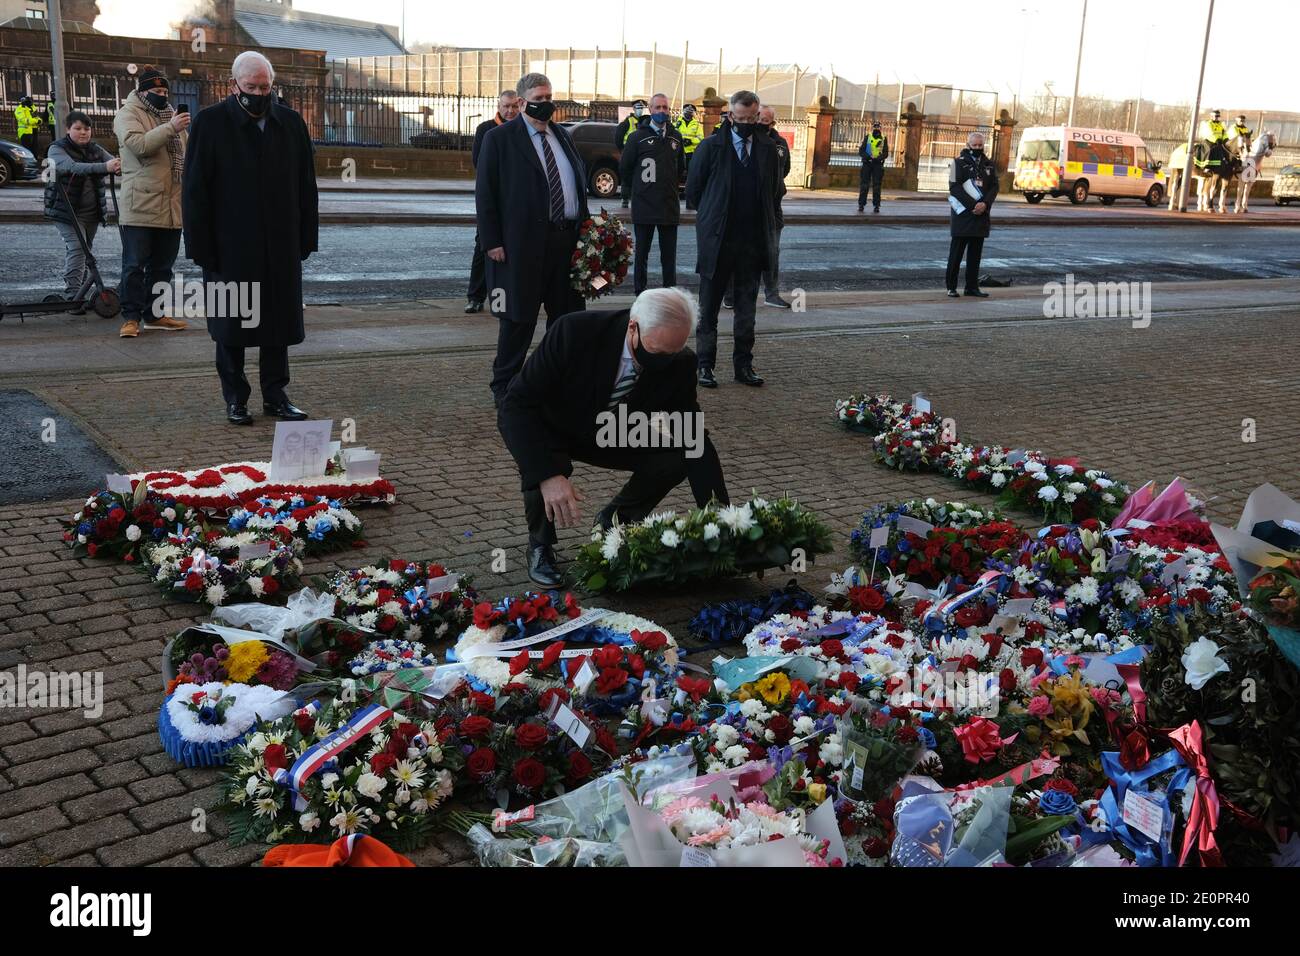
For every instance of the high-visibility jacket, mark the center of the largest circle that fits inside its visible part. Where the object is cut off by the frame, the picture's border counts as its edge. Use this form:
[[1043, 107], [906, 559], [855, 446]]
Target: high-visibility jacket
[[49, 114], [1245, 131], [1214, 131], [26, 119], [692, 131]]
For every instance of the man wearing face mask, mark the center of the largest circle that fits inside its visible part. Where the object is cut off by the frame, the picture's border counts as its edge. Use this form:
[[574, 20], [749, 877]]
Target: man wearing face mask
[[250, 222], [588, 365], [152, 137], [972, 187], [651, 167], [530, 195], [623, 132], [507, 109], [734, 183]]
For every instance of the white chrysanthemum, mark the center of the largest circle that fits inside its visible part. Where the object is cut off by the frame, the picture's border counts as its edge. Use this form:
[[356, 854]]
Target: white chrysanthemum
[[737, 519], [1048, 493], [710, 531], [669, 539], [371, 786], [613, 541], [998, 479], [1077, 487]]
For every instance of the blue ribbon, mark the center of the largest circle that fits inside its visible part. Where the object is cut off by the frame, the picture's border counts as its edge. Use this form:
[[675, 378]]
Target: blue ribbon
[[1143, 847]]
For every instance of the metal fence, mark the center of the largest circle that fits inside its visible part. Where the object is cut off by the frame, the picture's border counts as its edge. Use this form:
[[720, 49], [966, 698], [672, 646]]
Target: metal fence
[[848, 132], [940, 144]]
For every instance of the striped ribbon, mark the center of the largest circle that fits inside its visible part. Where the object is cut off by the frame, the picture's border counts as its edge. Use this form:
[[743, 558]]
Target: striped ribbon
[[938, 611], [358, 727]]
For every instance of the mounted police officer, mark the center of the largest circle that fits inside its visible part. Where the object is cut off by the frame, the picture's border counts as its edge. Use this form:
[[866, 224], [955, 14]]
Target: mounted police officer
[[653, 162], [1242, 128], [1215, 135], [874, 151]]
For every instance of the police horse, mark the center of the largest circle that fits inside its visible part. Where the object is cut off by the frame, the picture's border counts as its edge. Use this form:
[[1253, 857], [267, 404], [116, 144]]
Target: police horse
[[1253, 156], [1211, 181]]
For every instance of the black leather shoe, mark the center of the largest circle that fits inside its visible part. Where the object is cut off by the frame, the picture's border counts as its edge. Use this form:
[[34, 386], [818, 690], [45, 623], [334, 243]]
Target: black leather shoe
[[541, 567], [746, 376], [977, 293], [954, 294], [238, 414], [286, 411], [706, 378], [474, 306]]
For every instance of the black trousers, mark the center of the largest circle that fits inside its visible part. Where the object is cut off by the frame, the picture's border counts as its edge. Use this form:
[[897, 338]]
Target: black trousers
[[28, 140], [643, 233], [272, 373], [871, 176], [654, 474], [515, 330], [148, 255], [972, 247], [740, 265], [477, 274]]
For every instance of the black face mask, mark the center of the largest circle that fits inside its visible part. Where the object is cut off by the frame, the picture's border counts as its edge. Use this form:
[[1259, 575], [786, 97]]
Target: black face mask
[[255, 103], [157, 100], [651, 361], [744, 130], [542, 110]]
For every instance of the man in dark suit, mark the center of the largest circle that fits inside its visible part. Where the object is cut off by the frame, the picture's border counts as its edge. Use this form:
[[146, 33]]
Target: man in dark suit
[[734, 184], [249, 205], [507, 109], [590, 369], [531, 198], [652, 165], [972, 187]]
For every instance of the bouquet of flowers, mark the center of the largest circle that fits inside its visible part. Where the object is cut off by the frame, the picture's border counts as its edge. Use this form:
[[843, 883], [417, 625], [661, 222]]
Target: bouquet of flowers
[[323, 525], [1062, 491], [201, 723], [928, 551], [327, 771], [871, 413], [213, 568], [390, 655], [511, 746], [196, 656], [729, 621], [915, 443], [707, 542], [1275, 594], [111, 525], [400, 598], [601, 257]]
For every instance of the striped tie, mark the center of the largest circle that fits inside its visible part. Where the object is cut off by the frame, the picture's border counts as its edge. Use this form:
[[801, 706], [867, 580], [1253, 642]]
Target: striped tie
[[622, 387], [553, 180]]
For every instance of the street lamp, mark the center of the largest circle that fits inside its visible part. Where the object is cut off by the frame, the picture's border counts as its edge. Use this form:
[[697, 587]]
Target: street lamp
[[1078, 64], [1196, 112]]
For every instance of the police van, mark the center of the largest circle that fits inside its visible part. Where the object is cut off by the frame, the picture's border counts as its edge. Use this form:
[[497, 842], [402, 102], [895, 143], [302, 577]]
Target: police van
[[1077, 162]]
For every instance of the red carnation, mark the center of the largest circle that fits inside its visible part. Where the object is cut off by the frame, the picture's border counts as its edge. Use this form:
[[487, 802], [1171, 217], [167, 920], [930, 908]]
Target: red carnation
[[832, 649], [610, 655], [551, 655], [269, 585], [306, 723], [610, 680], [529, 774], [650, 640], [381, 763], [519, 663], [275, 757], [1031, 656]]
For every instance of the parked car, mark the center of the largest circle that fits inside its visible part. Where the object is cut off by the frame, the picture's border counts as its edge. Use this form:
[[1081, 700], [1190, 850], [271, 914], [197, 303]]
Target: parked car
[[17, 163], [437, 139], [595, 142], [1286, 186]]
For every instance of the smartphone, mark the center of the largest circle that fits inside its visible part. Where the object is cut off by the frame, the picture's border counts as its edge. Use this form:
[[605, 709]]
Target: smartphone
[[182, 107]]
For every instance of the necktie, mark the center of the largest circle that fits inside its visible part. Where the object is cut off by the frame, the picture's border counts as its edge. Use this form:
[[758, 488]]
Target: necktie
[[622, 387], [744, 152], [553, 180]]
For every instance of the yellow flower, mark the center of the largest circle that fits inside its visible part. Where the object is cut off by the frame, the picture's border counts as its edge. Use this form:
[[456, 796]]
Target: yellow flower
[[245, 660], [1070, 697], [817, 792], [746, 692], [773, 688]]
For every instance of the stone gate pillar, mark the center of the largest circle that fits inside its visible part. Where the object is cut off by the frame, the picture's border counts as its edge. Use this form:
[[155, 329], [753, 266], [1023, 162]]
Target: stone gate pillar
[[910, 123], [820, 116]]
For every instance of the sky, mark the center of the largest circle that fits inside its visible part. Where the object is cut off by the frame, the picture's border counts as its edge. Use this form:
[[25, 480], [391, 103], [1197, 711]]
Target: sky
[[1007, 45]]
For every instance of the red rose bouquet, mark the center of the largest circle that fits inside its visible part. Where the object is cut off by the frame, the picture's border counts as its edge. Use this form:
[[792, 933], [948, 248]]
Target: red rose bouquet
[[601, 257]]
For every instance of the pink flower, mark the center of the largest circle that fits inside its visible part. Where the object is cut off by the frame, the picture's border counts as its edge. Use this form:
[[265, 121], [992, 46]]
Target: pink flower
[[1040, 706]]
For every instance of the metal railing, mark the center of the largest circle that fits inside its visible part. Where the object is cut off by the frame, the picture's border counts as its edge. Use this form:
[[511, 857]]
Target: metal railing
[[848, 132]]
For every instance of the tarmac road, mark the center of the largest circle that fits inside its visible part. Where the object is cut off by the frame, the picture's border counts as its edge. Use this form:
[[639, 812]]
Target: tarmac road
[[378, 262]]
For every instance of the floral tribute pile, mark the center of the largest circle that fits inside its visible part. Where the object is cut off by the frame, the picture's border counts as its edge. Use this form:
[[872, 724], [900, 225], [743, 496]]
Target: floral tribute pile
[[417, 600], [214, 567], [1058, 489], [709, 542]]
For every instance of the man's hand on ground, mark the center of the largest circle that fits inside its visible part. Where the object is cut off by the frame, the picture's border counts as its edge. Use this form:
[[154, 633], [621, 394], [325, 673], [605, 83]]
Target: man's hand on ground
[[561, 500]]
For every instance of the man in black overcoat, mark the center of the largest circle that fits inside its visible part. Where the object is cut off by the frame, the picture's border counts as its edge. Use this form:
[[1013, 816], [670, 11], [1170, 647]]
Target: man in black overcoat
[[593, 373], [507, 109], [972, 187], [250, 216], [531, 200]]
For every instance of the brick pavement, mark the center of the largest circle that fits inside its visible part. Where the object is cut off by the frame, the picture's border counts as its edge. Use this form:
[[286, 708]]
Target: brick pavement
[[1149, 403]]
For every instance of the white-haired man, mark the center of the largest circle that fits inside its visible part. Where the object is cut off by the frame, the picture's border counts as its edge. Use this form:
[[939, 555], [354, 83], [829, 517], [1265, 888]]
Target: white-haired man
[[250, 209], [972, 187], [593, 369]]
